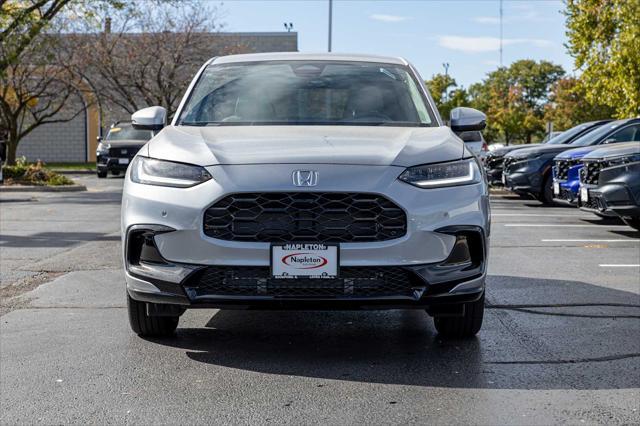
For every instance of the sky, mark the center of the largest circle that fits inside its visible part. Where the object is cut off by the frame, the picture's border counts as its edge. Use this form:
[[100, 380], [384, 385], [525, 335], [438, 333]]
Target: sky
[[463, 33]]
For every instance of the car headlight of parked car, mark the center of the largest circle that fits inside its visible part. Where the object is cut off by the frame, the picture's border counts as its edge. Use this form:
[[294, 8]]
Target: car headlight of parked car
[[463, 172], [150, 171], [103, 148]]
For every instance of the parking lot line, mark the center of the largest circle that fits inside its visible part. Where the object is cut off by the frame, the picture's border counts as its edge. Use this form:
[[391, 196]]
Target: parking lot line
[[569, 225], [591, 240], [611, 265]]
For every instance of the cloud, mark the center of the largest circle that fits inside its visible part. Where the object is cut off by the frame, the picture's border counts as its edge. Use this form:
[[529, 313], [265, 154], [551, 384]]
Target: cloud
[[492, 20], [388, 18], [485, 44]]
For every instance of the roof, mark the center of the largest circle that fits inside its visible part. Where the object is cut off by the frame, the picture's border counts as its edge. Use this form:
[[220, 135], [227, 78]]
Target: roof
[[296, 56]]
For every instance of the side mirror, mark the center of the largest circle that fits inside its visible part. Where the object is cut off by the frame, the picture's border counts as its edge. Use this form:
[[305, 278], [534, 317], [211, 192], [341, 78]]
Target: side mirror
[[465, 119], [99, 139], [152, 118]]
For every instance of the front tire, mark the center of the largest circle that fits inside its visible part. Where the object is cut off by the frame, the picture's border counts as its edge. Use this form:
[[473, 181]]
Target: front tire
[[546, 193], [467, 325], [149, 326]]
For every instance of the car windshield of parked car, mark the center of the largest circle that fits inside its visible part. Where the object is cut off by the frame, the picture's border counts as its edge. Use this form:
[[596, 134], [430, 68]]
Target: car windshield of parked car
[[306, 93], [595, 136], [122, 132], [566, 136]]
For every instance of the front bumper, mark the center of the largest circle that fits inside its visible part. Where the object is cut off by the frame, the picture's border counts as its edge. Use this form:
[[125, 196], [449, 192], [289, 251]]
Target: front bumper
[[617, 198], [528, 182], [186, 251], [112, 164], [595, 203]]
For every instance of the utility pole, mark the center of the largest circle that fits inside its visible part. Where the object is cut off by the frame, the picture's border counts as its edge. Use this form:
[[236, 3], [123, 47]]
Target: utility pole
[[500, 33], [446, 75], [330, 22]]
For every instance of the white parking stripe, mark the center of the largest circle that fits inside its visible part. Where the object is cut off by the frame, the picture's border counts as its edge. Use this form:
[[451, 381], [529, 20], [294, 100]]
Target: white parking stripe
[[607, 265], [569, 225], [591, 240]]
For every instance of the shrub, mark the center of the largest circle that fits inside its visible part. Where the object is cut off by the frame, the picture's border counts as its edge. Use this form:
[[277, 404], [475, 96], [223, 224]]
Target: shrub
[[33, 174]]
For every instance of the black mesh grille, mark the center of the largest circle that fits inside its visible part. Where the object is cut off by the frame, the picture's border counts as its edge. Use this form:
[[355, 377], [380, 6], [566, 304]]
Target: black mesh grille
[[591, 171], [562, 168], [305, 216], [494, 163], [254, 281], [123, 151]]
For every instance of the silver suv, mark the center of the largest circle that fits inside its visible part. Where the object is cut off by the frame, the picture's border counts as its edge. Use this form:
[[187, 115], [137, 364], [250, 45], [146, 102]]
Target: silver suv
[[296, 181]]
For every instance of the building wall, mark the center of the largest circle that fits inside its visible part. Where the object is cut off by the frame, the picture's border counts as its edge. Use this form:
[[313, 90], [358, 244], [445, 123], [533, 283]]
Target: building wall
[[56, 142]]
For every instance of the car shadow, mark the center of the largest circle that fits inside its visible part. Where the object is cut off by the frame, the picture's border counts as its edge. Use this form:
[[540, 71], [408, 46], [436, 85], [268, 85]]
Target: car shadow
[[541, 347]]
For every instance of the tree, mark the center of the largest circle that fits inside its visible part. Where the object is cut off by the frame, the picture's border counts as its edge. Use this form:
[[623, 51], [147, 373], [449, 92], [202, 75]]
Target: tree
[[148, 59], [446, 94], [603, 38], [569, 106], [514, 99], [36, 91]]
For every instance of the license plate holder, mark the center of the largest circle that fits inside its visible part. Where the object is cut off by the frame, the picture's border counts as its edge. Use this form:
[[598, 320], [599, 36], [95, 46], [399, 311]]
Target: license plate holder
[[584, 194], [305, 260]]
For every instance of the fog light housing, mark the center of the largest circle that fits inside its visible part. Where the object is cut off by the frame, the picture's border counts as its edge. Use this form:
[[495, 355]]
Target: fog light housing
[[141, 246], [460, 254]]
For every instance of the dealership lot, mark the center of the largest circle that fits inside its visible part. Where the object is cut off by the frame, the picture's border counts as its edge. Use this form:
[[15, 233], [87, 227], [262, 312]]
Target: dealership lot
[[560, 343]]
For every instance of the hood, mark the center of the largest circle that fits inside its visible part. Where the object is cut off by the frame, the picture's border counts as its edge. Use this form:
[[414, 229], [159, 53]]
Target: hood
[[501, 152], [576, 153], [363, 145], [125, 142], [613, 150], [542, 149]]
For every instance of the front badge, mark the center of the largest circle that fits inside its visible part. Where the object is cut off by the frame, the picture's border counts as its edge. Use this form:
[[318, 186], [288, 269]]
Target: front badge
[[305, 178]]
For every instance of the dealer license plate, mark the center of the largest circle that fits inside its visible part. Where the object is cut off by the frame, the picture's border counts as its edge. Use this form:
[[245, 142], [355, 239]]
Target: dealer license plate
[[123, 161], [308, 260], [556, 188], [584, 195]]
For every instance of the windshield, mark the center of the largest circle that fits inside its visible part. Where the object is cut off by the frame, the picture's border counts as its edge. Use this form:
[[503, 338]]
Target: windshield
[[567, 135], [124, 131], [594, 137], [306, 93]]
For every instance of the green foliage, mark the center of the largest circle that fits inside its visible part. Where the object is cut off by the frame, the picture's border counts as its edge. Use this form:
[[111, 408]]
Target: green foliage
[[569, 105], [604, 39], [514, 99], [446, 94], [32, 174]]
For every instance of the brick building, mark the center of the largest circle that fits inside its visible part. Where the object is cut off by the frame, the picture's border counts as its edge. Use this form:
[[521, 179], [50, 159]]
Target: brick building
[[75, 141]]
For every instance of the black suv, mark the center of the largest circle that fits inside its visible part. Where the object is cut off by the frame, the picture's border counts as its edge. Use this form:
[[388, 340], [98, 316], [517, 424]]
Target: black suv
[[116, 151]]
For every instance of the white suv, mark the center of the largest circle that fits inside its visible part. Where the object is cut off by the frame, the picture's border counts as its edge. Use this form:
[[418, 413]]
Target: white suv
[[306, 182]]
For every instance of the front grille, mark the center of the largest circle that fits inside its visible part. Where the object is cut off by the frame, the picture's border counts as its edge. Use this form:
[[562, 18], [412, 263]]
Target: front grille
[[494, 163], [324, 217], [256, 281], [562, 168], [591, 171], [124, 151], [506, 165]]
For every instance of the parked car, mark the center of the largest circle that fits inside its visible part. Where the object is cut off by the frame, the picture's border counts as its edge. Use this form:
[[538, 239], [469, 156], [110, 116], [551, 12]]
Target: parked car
[[306, 181], [567, 168], [115, 152], [494, 161], [529, 170], [594, 164], [474, 142]]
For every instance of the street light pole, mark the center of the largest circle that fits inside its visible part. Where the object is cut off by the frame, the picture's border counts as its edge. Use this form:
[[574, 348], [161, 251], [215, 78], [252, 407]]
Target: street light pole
[[330, 22], [446, 74]]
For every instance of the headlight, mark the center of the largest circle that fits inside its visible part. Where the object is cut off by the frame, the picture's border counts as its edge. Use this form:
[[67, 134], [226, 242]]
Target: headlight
[[103, 148], [463, 172], [150, 171]]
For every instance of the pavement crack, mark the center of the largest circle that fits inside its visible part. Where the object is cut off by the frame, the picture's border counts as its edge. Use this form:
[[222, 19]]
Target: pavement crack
[[564, 314], [570, 361]]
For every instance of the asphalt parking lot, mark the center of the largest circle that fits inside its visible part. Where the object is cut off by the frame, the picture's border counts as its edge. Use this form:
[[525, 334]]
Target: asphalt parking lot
[[560, 342]]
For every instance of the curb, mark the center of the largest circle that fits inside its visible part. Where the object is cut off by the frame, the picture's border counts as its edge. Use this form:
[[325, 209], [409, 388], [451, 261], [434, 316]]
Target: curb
[[73, 172], [42, 188]]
